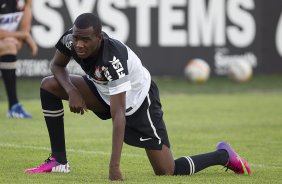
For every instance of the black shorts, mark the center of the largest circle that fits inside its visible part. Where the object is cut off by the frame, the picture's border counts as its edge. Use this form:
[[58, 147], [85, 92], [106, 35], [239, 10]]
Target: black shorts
[[145, 128], [106, 115]]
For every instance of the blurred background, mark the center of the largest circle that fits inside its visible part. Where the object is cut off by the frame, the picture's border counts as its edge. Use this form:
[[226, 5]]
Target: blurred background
[[166, 34], [233, 48]]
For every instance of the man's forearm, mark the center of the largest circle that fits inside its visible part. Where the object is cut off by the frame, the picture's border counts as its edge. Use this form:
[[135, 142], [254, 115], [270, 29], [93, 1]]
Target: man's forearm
[[117, 140], [16, 34], [26, 20], [62, 76]]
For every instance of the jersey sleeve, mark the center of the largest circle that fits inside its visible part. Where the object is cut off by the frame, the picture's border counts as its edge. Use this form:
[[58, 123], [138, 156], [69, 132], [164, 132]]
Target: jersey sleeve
[[117, 70], [64, 45]]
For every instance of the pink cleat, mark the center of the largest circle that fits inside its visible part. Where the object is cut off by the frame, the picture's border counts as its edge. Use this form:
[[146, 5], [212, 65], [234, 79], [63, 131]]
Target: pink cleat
[[50, 165], [235, 162]]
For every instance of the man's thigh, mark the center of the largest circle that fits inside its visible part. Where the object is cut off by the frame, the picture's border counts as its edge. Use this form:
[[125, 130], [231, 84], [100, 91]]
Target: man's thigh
[[9, 45], [91, 100]]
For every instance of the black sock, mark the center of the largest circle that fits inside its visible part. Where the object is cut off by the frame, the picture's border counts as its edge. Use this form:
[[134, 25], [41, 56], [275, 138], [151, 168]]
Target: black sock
[[53, 111], [9, 78], [193, 164]]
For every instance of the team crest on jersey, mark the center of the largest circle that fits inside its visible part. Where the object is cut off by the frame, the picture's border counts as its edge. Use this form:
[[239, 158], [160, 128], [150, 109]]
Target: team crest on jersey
[[68, 44], [98, 73]]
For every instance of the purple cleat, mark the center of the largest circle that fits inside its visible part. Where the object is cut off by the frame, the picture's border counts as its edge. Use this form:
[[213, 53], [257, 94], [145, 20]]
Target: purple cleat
[[50, 165], [235, 162]]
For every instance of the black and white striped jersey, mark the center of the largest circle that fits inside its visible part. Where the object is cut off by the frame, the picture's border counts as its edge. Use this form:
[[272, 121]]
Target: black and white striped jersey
[[115, 69], [11, 12]]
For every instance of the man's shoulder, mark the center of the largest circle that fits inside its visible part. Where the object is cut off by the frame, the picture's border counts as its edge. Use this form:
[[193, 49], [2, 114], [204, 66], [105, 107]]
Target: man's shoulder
[[113, 42], [64, 44], [66, 37], [114, 48]]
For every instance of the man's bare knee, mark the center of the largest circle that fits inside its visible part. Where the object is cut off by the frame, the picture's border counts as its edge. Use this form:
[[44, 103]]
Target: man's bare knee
[[48, 83], [164, 172], [8, 47]]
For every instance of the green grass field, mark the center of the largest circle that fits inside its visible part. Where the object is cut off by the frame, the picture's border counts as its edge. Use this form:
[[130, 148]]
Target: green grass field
[[248, 116]]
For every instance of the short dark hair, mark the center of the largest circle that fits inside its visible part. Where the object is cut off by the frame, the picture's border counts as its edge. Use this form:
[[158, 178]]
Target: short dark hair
[[86, 20]]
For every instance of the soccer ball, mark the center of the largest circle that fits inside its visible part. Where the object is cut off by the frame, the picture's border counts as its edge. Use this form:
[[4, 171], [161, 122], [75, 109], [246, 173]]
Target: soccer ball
[[240, 70], [197, 71]]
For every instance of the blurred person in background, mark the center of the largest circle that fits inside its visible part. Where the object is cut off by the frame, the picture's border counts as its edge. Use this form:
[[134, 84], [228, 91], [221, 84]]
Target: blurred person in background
[[15, 23]]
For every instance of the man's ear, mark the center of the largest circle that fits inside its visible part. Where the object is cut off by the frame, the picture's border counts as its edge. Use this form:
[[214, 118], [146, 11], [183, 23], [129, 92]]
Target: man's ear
[[100, 36]]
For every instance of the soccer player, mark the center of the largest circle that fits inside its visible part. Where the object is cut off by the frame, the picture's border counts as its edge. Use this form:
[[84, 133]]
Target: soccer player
[[115, 86], [15, 21]]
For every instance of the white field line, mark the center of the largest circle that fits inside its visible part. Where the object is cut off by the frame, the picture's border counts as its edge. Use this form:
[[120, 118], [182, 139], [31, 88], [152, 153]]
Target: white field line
[[18, 146], [263, 166]]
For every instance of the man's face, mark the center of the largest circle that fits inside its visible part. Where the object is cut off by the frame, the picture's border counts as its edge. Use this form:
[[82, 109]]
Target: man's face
[[85, 41]]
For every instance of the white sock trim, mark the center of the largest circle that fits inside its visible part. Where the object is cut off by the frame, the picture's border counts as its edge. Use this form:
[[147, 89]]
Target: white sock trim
[[192, 166]]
